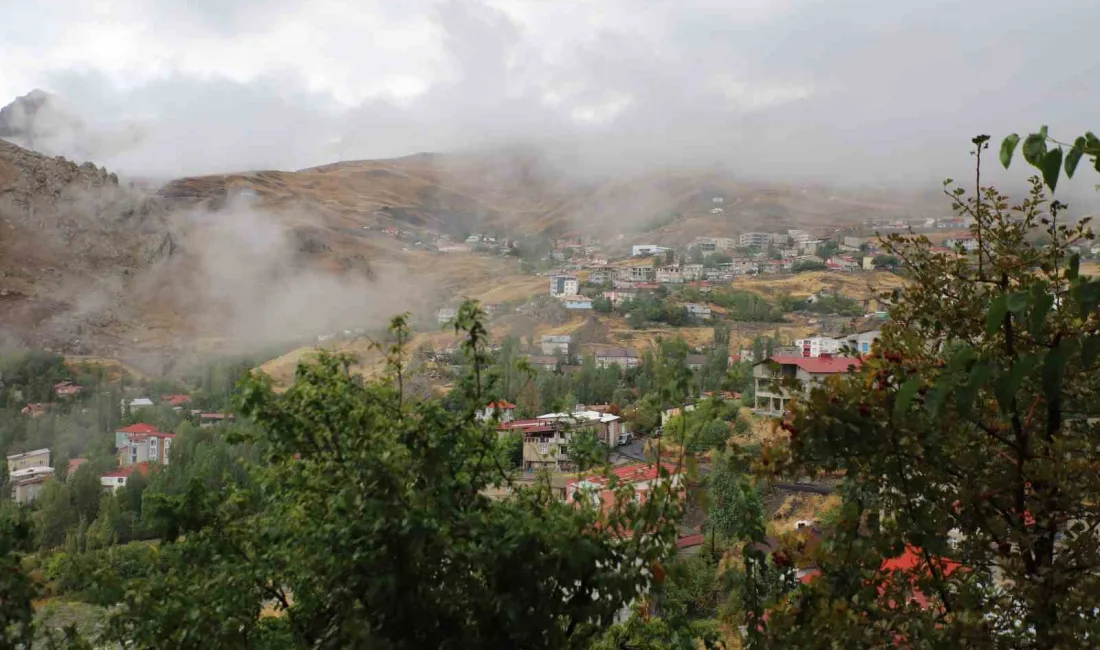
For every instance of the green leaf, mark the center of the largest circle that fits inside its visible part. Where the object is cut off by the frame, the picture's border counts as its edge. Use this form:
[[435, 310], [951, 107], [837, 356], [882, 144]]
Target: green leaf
[[964, 400], [1008, 147], [979, 375], [1043, 301], [1017, 301], [905, 396], [1074, 156], [997, 310], [1052, 167], [1008, 384], [934, 400], [1043, 132], [1035, 147], [1054, 367], [1074, 266], [1090, 349]]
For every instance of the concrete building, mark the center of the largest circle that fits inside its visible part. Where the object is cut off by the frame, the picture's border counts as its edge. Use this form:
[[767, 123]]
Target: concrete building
[[636, 273], [622, 357], [27, 459], [564, 285], [27, 473], [504, 410], [859, 342], [698, 310], [816, 346], [116, 480], [552, 344], [648, 249], [139, 443], [755, 239], [596, 490], [772, 397]]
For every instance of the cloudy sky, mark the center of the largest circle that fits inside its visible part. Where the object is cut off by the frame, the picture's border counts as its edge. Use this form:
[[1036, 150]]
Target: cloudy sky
[[861, 91]]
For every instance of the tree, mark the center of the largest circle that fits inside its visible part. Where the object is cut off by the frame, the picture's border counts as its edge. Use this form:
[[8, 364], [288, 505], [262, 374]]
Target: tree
[[966, 443], [803, 266], [54, 514], [17, 589], [883, 261], [369, 527], [586, 450]]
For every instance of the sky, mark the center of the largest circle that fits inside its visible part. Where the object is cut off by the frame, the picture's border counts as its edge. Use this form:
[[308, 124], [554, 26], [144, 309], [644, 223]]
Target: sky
[[859, 92]]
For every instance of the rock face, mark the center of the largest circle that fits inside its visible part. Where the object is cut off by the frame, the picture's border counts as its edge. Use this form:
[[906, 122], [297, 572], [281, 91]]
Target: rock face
[[38, 119]]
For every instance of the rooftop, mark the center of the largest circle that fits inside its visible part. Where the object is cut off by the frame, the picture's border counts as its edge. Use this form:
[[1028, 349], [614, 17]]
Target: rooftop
[[140, 427], [142, 468], [816, 365]]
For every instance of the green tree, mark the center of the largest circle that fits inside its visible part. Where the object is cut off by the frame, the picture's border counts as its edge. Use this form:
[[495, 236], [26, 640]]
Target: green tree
[[369, 527], [54, 514], [968, 442], [586, 450]]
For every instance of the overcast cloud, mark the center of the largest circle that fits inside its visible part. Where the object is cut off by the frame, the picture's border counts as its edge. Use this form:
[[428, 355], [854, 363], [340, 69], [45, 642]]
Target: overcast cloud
[[855, 91]]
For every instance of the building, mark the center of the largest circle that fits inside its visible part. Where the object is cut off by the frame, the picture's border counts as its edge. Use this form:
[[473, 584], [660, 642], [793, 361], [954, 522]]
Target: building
[[27, 473], [36, 409], [636, 273], [207, 420], [29, 459], [177, 402], [543, 362], [859, 342], [446, 315], [670, 275], [564, 285], [622, 357], [698, 310], [618, 297], [117, 479], [503, 410], [139, 443], [136, 403], [754, 239], [853, 242], [799, 236], [553, 344], [608, 427], [696, 361], [596, 489], [600, 276], [693, 272], [816, 346], [577, 302], [67, 388], [967, 242], [545, 444], [771, 398], [648, 249]]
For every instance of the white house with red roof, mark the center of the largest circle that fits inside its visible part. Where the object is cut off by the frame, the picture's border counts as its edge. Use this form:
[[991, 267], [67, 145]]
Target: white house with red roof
[[506, 411], [140, 443], [597, 490], [117, 479], [769, 375]]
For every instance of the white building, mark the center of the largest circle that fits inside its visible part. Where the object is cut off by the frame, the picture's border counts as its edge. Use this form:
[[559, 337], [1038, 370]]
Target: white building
[[817, 345], [755, 239], [698, 310], [136, 403], [117, 479], [564, 285], [799, 236], [446, 315], [860, 342], [553, 344], [635, 273], [27, 473], [648, 249], [505, 410]]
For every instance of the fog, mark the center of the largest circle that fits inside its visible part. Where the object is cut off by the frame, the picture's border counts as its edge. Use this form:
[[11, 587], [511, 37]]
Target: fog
[[848, 91]]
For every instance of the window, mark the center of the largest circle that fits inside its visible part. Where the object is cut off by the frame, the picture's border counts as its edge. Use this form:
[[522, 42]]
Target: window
[[121, 480], [167, 449], [154, 448], [133, 455]]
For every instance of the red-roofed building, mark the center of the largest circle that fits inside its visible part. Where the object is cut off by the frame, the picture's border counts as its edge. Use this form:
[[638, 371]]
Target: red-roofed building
[[597, 489], [35, 409], [176, 401], [811, 371], [505, 411], [211, 419], [118, 478], [140, 443], [74, 463], [67, 388]]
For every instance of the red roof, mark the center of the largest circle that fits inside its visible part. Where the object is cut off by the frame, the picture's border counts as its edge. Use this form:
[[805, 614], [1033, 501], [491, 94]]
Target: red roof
[[501, 405], [142, 468], [76, 462], [690, 540], [634, 473], [140, 427], [176, 400], [817, 365]]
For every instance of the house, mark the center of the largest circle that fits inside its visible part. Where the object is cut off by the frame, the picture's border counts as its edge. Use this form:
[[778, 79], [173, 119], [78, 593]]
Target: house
[[698, 310], [505, 411], [74, 464], [622, 357], [967, 242], [619, 296], [648, 249], [868, 263], [859, 342], [545, 444], [599, 277], [596, 490], [207, 420], [635, 273], [577, 302], [760, 239], [853, 242], [553, 344], [696, 361], [608, 427], [117, 479], [136, 403], [36, 409], [772, 399], [815, 346], [142, 442], [693, 272], [716, 210], [841, 263], [543, 361], [67, 388], [798, 236], [446, 315], [27, 473], [675, 411], [29, 459], [177, 402], [564, 285], [670, 275]]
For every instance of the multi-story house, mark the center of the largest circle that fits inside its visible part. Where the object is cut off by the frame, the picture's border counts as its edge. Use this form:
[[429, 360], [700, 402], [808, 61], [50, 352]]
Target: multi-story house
[[141, 442], [670, 275], [859, 342], [622, 357], [505, 411], [564, 285], [698, 310], [635, 273], [755, 239], [556, 344], [27, 473], [772, 397], [815, 346]]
